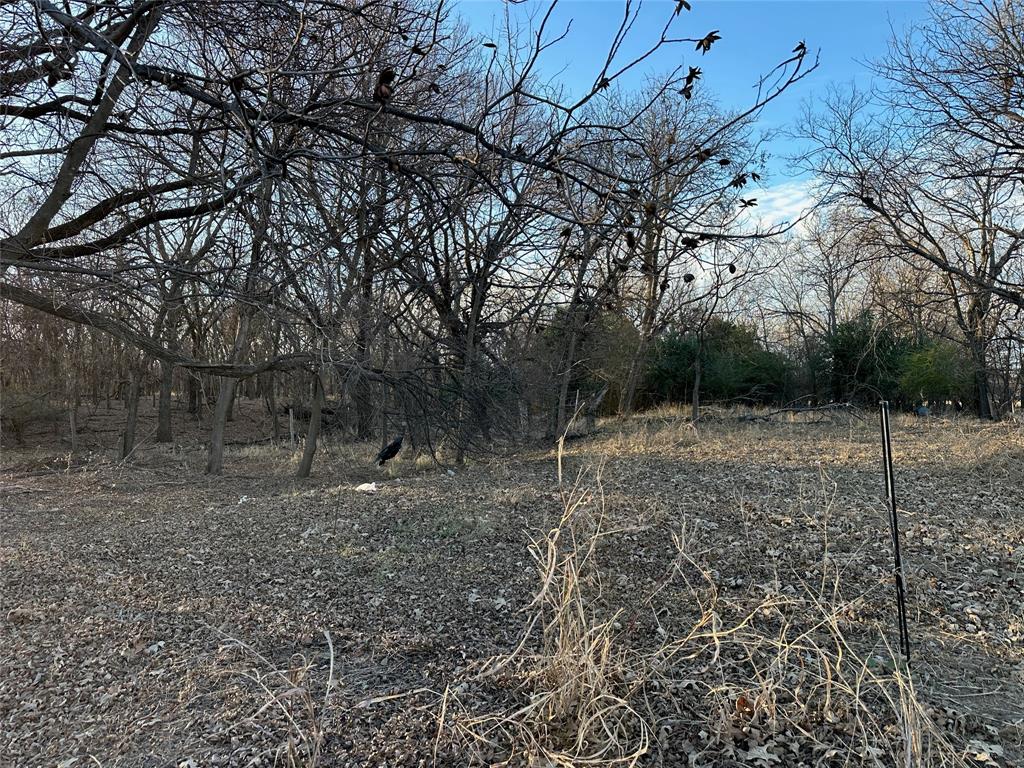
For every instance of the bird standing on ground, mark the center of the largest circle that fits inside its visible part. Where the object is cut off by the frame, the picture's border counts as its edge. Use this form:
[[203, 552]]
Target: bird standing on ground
[[389, 451]]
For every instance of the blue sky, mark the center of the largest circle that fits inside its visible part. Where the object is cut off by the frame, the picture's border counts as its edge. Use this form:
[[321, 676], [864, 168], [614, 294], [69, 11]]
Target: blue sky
[[756, 35]]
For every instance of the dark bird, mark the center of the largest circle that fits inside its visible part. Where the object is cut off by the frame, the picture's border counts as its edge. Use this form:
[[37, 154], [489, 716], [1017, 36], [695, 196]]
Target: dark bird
[[416, 50], [724, 162], [384, 90], [566, 230], [801, 48], [689, 242], [748, 203], [732, 269], [703, 155], [605, 82], [755, 176], [705, 43], [435, 87], [680, 5], [688, 278], [630, 241], [389, 451], [492, 46], [691, 77], [869, 202], [740, 180]]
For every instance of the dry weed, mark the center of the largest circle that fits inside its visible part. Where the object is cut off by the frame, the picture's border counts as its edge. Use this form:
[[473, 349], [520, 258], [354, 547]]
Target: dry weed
[[783, 682]]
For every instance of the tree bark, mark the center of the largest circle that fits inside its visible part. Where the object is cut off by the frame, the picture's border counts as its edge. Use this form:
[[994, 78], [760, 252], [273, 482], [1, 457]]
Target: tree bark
[[272, 406], [193, 395], [695, 402], [230, 413], [628, 398], [982, 390], [132, 418], [164, 432], [561, 416], [73, 423], [215, 458], [270, 384], [569, 358], [306, 464]]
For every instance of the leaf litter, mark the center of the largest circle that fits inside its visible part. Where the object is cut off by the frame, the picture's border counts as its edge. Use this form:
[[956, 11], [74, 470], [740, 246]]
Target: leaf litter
[[726, 600]]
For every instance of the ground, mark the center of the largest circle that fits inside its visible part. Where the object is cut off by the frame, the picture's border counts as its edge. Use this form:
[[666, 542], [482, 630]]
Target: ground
[[710, 596]]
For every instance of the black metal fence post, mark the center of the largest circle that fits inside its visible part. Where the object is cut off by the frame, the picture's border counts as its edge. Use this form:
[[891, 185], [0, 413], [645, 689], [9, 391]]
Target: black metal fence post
[[890, 492]]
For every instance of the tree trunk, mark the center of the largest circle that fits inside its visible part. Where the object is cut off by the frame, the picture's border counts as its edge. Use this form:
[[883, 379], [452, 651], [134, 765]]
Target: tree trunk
[[561, 416], [362, 395], [561, 419], [628, 397], [215, 457], [272, 405], [73, 423], [471, 395], [270, 385], [306, 464], [231, 405], [695, 403], [128, 436], [193, 395], [164, 433], [981, 384]]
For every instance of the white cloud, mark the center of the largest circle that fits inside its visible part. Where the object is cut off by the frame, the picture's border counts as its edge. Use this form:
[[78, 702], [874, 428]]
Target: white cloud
[[784, 202]]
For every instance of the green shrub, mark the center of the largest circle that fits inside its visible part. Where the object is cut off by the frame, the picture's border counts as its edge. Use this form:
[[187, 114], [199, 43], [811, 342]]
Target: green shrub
[[865, 360], [737, 366], [935, 371]]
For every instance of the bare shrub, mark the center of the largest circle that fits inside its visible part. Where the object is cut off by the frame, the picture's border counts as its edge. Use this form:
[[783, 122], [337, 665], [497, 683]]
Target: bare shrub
[[21, 412]]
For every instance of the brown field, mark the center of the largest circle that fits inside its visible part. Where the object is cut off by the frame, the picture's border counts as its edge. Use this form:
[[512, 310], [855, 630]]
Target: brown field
[[719, 596]]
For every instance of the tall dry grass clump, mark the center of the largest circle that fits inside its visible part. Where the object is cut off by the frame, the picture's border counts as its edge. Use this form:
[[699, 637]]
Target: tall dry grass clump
[[785, 677], [573, 681], [288, 704]]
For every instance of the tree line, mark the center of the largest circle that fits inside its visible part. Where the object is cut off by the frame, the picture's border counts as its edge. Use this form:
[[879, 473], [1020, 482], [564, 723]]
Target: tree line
[[364, 211]]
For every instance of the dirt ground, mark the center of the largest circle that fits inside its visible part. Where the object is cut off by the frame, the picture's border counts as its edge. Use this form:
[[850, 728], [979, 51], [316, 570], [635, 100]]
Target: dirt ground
[[153, 616]]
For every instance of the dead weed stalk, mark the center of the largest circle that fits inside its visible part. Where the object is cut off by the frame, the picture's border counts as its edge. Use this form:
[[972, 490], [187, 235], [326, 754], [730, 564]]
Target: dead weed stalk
[[779, 679], [289, 704]]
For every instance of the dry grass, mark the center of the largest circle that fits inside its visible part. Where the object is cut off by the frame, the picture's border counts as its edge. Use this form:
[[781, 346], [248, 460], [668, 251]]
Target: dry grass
[[579, 680], [652, 595], [787, 681], [289, 704]]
